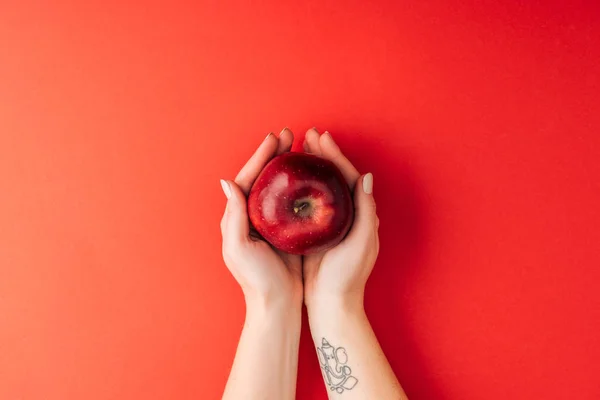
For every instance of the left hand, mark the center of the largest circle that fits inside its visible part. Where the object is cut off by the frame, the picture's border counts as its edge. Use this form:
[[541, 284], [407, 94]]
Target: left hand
[[267, 276], [338, 275]]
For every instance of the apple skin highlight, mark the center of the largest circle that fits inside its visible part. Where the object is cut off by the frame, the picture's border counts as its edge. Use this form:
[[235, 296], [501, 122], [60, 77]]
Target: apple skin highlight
[[301, 204]]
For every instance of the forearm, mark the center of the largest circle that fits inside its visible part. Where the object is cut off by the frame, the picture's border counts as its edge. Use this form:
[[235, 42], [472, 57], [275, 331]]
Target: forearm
[[351, 359], [266, 361]]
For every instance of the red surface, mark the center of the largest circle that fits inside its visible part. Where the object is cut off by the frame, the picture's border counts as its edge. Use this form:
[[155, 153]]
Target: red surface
[[479, 120]]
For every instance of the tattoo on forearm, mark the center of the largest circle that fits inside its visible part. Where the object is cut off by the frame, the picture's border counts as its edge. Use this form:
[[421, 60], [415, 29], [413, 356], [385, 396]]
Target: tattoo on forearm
[[338, 375]]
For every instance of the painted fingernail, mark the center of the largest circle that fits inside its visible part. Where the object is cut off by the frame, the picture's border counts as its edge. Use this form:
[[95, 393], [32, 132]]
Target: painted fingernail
[[226, 188], [368, 183]]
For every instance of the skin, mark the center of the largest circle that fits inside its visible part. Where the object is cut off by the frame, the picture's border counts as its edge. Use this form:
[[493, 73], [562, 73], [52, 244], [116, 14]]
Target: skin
[[334, 286], [266, 361], [330, 283]]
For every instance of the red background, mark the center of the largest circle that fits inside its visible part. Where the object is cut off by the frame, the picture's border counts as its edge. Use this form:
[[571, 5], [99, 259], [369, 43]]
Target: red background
[[479, 120]]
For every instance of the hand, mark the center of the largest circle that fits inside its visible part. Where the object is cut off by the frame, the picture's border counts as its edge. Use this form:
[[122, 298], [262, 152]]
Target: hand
[[339, 275], [334, 284], [267, 276]]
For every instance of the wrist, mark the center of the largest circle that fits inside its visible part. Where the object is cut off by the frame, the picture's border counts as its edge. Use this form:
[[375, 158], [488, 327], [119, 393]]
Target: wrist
[[270, 307], [335, 304]]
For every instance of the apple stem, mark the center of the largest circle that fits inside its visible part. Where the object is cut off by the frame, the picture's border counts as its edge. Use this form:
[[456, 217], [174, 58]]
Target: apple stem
[[301, 207]]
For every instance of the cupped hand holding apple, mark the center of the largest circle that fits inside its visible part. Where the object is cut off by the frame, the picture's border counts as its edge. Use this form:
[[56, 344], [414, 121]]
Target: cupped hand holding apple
[[272, 284], [336, 277], [334, 285], [265, 274]]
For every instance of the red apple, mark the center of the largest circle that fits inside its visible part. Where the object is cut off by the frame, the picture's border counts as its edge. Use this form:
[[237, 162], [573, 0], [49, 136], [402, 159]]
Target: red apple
[[301, 204]]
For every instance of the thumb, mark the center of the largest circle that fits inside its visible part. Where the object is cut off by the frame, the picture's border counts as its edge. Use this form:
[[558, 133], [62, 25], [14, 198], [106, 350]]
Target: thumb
[[365, 218], [234, 225]]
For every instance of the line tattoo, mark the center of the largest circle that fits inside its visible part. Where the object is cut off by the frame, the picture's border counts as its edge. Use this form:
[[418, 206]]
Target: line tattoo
[[333, 363]]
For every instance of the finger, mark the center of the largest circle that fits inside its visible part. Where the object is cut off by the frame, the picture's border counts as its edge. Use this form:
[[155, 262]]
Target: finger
[[311, 142], [332, 152], [286, 139], [235, 226], [365, 215], [305, 147], [310, 265], [245, 178], [227, 191], [293, 262]]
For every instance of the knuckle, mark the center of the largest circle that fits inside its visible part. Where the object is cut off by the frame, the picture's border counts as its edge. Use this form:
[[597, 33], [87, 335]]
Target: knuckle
[[373, 206]]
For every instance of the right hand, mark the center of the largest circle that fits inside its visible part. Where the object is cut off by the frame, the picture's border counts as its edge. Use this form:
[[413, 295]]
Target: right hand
[[339, 275]]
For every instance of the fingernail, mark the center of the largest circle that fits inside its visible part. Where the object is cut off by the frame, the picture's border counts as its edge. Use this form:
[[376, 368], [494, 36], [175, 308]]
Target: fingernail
[[226, 188], [331, 138], [269, 135], [368, 183], [283, 130]]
